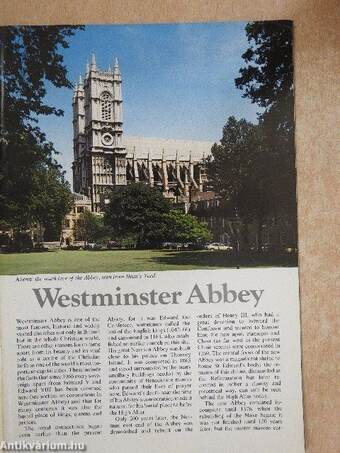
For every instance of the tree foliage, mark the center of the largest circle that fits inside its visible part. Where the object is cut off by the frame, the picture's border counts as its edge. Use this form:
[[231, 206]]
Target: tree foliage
[[234, 168], [267, 80], [238, 170], [33, 187], [182, 227], [91, 228], [253, 166], [137, 209], [50, 204], [31, 58], [142, 212]]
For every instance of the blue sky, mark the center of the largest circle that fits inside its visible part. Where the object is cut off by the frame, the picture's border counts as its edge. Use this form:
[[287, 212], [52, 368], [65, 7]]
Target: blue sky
[[178, 80]]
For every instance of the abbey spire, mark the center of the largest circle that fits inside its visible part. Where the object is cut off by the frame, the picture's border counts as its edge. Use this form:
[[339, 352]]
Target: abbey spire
[[93, 62], [116, 68], [99, 155]]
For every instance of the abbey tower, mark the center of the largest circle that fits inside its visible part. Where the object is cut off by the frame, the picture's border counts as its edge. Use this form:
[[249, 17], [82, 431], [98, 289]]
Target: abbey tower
[[99, 156], [104, 158]]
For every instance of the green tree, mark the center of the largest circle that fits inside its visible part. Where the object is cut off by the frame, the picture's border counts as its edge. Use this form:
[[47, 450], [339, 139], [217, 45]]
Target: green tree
[[237, 170], [137, 210], [51, 204], [182, 227], [91, 228], [231, 158], [267, 80], [33, 190], [33, 187]]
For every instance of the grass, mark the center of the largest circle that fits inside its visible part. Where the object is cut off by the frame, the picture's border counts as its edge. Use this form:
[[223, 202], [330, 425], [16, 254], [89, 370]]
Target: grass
[[131, 261]]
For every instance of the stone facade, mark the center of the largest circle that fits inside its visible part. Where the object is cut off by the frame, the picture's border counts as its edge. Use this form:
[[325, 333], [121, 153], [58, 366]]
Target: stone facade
[[81, 203], [104, 158]]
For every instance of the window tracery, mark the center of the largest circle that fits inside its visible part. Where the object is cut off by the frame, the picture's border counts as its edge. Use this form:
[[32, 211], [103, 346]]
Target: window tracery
[[106, 106]]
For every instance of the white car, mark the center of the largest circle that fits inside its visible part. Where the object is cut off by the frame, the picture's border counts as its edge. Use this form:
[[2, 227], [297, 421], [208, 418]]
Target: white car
[[219, 246]]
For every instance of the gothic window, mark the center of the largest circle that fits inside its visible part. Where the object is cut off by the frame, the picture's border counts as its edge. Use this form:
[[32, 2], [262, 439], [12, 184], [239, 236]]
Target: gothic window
[[106, 106]]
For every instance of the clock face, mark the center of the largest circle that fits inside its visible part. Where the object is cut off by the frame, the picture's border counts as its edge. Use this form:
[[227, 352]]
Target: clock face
[[107, 139]]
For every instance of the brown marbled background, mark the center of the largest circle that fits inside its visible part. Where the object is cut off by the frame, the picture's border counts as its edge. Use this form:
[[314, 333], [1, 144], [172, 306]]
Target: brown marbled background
[[317, 74]]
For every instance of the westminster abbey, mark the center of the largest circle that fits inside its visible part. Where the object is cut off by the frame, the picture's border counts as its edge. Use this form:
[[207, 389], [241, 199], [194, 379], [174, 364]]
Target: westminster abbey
[[105, 158]]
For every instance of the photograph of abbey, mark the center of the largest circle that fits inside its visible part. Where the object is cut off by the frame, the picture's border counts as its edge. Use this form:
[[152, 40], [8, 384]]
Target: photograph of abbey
[[179, 154]]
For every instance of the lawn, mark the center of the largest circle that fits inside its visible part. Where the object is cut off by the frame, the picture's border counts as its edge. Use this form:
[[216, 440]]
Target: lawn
[[131, 260]]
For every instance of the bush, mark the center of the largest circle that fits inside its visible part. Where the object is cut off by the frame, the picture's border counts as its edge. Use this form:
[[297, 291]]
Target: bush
[[4, 239], [129, 242], [21, 242], [72, 247], [40, 248]]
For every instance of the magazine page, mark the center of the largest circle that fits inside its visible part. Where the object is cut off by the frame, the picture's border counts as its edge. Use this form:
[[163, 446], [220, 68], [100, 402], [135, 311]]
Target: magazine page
[[149, 288], [184, 361]]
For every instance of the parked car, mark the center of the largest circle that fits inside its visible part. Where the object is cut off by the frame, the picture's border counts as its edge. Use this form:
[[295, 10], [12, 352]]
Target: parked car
[[219, 246], [291, 249], [268, 247], [172, 245], [93, 246], [112, 245]]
